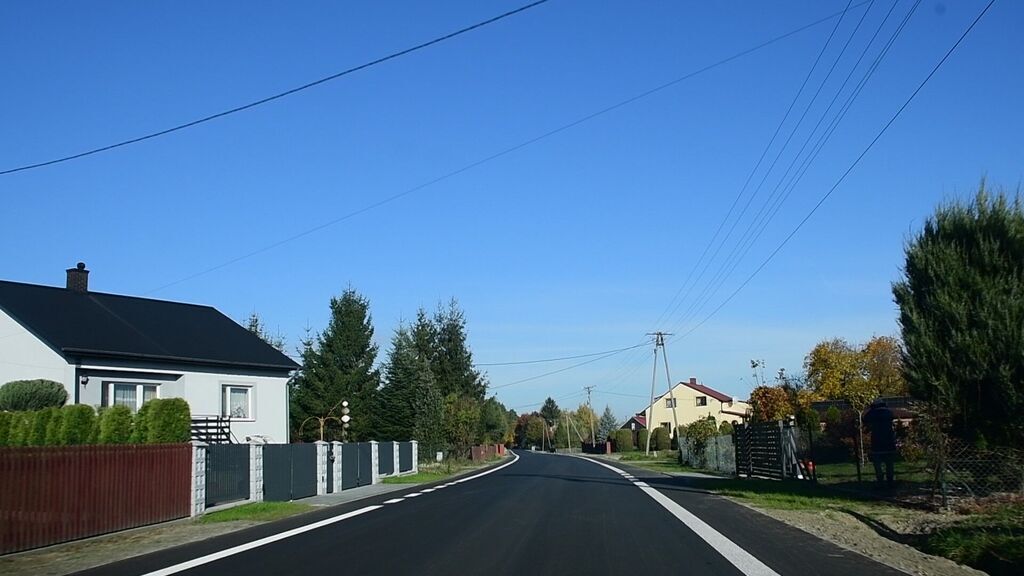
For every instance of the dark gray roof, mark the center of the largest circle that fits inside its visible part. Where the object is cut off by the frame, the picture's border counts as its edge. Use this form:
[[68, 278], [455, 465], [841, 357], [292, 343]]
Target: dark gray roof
[[93, 324]]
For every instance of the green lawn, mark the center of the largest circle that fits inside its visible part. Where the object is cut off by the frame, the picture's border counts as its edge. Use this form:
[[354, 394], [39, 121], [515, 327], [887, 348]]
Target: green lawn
[[433, 471], [417, 478], [846, 472], [256, 511]]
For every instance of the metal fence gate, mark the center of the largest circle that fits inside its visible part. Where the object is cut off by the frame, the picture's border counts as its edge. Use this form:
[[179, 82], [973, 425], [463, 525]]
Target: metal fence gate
[[767, 449], [356, 465], [289, 471], [386, 458], [405, 456], [227, 473], [330, 467]]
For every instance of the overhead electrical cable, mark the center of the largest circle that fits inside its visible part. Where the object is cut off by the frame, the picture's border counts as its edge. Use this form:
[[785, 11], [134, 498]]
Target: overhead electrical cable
[[274, 97], [553, 372], [561, 358], [850, 169], [497, 155]]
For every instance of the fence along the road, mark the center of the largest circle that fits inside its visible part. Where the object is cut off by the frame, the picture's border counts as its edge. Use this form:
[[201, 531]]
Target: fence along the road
[[718, 454], [227, 473], [767, 450], [57, 493]]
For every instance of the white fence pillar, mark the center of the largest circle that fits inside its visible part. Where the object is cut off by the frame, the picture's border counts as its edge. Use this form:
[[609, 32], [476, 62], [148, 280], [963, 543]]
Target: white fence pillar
[[321, 467], [396, 447], [374, 463], [337, 466], [256, 472], [198, 477], [415, 456]]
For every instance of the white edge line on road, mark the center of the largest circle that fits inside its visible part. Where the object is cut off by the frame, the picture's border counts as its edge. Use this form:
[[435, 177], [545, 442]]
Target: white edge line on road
[[188, 565], [413, 495], [393, 501], [257, 543], [738, 557]]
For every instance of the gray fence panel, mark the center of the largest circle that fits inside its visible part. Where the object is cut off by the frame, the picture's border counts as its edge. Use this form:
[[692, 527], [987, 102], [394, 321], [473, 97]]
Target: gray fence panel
[[330, 467], [386, 458], [227, 473], [349, 466], [364, 467], [277, 472], [405, 456], [303, 470]]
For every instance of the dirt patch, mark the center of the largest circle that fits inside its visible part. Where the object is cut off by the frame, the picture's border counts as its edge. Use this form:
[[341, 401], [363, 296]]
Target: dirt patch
[[71, 557], [862, 534]]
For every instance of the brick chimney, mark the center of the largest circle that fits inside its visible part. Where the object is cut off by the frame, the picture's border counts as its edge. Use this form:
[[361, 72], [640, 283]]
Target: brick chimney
[[78, 278], [692, 380]]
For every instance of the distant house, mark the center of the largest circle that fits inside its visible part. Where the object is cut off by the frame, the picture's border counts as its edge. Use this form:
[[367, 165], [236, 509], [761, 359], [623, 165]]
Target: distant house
[[121, 350], [691, 402]]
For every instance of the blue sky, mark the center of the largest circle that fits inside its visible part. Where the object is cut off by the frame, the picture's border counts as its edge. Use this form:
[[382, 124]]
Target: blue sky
[[573, 244]]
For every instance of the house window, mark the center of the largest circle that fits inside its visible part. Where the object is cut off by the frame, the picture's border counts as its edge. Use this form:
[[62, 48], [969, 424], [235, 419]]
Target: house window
[[702, 400], [237, 402], [130, 394], [666, 425], [670, 402]]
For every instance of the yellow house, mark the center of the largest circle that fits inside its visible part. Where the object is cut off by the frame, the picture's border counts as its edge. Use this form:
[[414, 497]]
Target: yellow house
[[692, 401]]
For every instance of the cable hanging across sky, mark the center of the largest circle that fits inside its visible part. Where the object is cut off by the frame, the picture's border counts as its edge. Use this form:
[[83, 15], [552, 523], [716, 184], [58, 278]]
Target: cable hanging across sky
[[274, 97]]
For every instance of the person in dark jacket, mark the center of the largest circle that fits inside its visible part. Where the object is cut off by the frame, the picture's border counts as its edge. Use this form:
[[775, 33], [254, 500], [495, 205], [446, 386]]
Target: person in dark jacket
[[883, 440]]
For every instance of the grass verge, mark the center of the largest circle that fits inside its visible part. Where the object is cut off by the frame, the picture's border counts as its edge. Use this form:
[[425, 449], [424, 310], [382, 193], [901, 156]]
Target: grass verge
[[433, 471], [256, 511]]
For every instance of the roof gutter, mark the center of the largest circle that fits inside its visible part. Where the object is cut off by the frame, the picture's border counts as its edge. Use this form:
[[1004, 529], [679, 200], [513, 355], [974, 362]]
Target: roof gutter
[[183, 360]]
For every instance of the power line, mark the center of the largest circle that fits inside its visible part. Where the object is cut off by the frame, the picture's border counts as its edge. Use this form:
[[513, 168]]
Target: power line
[[499, 154], [847, 172], [277, 96], [560, 370], [562, 358]]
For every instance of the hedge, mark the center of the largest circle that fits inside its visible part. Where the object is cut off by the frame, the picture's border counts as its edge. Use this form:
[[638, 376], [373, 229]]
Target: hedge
[[170, 421], [623, 440], [30, 395], [641, 439], [159, 421], [661, 440], [115, 425]]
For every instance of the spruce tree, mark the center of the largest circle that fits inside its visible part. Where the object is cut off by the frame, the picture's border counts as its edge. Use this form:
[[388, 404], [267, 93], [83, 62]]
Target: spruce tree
[[338, 366]]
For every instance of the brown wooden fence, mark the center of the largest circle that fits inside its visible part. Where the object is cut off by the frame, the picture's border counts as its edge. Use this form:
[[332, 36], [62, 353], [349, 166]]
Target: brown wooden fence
[[58, 493]]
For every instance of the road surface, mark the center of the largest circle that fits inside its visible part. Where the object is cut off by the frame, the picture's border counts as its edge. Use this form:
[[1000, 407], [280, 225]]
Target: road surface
[[541, 514]]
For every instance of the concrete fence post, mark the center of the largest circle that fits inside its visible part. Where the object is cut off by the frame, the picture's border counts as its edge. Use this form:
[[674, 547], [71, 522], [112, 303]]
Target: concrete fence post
[[395, 449], [198, 477], [415, 456], [374, 463], [256, 472], [337, 465], [321, 467]]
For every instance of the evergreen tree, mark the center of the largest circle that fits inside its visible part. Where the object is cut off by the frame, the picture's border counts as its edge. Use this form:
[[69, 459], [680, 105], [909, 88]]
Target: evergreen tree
[[550, 411], [493, 421], [255, 325], [338, 366], [452, 360], [961, 304], [395, 413], [606, 425]]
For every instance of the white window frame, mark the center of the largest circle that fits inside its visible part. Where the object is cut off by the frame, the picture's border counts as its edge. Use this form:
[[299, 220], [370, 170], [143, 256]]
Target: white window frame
[[225, 400], [139, 388], [670, 403]]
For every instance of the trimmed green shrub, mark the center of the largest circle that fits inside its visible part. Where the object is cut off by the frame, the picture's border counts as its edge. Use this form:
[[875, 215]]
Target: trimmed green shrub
[[140, 425], [21, 428], [41, 421], [53, 428], [115, 425], [660, 440], [5, 427], [623, 440], [77, 425], [641, 439], [170, 421], [27, 395], [725, 428]]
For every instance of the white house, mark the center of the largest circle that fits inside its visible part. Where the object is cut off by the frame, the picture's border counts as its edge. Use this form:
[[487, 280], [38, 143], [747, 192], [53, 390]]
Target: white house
[[108, 349]]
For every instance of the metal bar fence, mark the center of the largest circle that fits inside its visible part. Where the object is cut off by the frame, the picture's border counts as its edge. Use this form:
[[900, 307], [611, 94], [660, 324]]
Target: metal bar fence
[[58, 493]]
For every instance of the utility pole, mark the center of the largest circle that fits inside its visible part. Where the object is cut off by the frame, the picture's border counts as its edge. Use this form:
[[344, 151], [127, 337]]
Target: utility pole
[[568, 442], [593, 436], [659, 342]]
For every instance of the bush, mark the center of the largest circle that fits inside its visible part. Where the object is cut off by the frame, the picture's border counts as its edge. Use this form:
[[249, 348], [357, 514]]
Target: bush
[[623, 440], [5, 427], [140, 425], [77, 424], [21, 428], [170, 421], [53, 428], [725, 428], [641, 440], [40, 424], [28, 395], [661, 440], [115, 425]]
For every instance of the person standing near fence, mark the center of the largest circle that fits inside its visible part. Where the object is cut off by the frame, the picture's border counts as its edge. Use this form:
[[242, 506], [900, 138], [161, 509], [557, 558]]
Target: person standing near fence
[[883, 440]]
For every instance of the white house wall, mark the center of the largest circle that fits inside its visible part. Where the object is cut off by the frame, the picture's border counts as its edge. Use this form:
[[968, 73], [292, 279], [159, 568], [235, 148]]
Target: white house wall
[[269, 402], [25, 357]]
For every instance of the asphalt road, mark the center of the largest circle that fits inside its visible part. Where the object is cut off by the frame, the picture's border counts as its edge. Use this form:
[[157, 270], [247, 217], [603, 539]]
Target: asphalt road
[[543, 514]]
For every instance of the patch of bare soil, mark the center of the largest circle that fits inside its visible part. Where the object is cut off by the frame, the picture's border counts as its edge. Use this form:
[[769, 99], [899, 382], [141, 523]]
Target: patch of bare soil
[[882, 538], [71, 557]]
